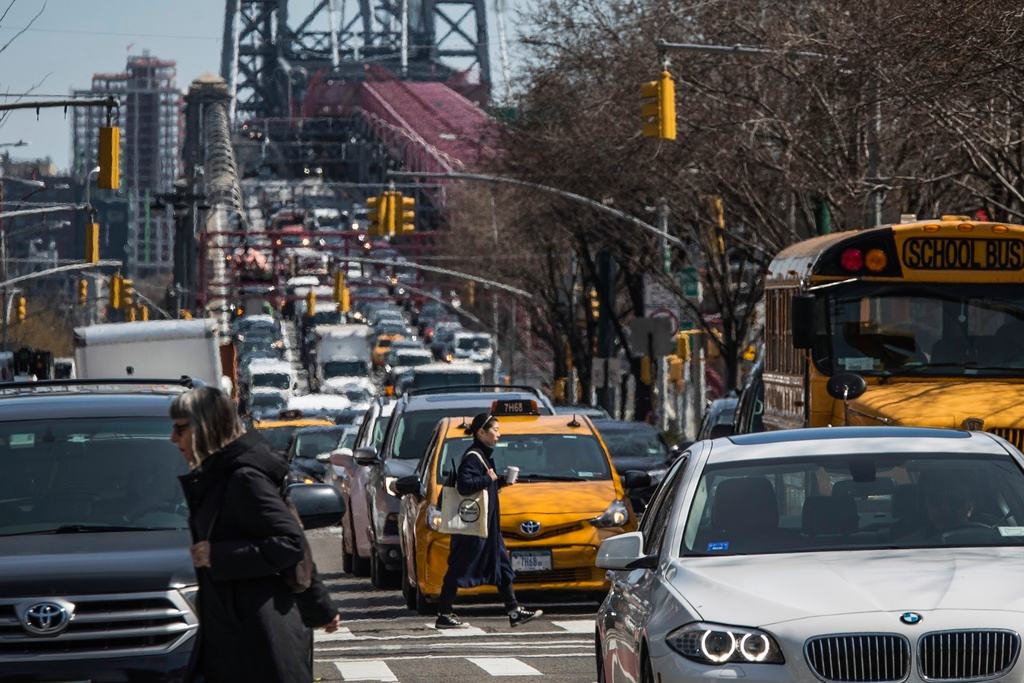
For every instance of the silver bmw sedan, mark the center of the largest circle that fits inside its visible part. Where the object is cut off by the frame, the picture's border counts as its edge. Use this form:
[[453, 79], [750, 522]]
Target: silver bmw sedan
[[870, 554]]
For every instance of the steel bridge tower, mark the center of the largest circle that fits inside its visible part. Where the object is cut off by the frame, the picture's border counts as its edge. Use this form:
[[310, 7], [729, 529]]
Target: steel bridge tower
[[271, 47]]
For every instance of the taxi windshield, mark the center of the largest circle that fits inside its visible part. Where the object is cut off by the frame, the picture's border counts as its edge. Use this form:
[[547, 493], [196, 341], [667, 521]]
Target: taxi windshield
[[841, 503], [539, 457], [924, 330], [97, 474]]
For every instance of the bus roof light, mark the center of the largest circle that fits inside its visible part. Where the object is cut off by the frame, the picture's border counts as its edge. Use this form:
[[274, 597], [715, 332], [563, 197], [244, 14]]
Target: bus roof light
[[931, 228], [965, 227], [999, 228], [876, 260], [852, 260]]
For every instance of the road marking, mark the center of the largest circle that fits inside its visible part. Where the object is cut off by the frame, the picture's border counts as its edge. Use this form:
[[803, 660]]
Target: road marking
[[578, 626], [461, 632], [368, 670], [504, 666], [341, 634], [588, 655], [397, 647]]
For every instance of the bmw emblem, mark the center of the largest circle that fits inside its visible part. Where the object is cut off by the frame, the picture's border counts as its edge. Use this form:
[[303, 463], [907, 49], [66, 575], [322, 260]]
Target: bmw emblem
[[911, 618], [530, 527]]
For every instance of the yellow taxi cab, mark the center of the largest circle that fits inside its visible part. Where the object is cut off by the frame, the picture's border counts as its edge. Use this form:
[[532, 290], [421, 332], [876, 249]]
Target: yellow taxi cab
[[381, 348], [278, 433], [568, 499]]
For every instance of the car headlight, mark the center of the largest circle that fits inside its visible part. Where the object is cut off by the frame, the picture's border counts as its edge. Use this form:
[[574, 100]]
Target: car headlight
[[191, 595], [389, 485], [434, 518], [616, 515], [657, 475], [716, 644]]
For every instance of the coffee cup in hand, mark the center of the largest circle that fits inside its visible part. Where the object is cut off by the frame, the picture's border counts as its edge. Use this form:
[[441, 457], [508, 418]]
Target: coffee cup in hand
[[511, 474]]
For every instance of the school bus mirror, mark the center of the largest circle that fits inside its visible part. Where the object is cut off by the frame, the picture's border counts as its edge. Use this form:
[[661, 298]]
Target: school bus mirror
[[846, 386], [802, 321]]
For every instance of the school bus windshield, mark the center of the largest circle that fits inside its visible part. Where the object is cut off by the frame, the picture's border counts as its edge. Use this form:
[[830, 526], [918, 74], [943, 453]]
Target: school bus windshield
[[947, 330]]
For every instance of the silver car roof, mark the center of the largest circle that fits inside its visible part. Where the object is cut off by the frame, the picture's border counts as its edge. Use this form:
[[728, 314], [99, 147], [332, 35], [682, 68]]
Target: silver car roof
[[850, 441]]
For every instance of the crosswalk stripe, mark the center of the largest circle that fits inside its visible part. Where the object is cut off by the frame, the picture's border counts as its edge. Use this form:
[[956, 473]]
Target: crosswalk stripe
[[368, 670], [461, 632], [341, 634], [577, 626], [504, 666]]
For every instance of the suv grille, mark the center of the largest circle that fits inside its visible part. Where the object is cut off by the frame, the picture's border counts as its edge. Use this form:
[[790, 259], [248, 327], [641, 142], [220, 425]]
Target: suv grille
[[967, 655], [103, 626], [871, 658]]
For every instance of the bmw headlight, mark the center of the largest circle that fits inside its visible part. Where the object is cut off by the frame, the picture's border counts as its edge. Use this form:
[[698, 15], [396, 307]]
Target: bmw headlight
[[616, 515], [715, 644], [434, 518]]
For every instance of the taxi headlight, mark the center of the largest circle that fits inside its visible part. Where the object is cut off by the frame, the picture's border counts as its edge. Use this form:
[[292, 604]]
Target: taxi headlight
[[616, 515], [714, 644], [434, 518]]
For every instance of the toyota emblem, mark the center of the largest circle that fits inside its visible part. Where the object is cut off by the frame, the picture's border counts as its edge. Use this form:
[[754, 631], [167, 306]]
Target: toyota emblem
[[530, 527], [46, 618]]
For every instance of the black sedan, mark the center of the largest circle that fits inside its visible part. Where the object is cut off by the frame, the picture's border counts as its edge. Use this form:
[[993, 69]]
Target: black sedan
[[636, 446]]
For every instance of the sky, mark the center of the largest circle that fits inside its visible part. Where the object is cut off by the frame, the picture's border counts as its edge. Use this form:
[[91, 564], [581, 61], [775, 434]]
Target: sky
[[72, 39]]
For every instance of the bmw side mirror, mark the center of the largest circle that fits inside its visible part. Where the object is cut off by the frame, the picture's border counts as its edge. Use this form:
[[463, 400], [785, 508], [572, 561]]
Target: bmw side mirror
[[618, 552]]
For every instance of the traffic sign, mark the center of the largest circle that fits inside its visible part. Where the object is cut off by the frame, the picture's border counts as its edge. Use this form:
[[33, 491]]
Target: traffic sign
[[651, 337]]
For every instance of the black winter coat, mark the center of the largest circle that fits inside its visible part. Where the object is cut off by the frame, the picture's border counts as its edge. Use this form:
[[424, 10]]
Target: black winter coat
[[250, 626], [479, 561]]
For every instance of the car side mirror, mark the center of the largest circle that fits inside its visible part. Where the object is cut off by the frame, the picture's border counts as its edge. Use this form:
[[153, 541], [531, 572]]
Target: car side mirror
[[339, 456], [801, 317], [319, 505], [618, 552], [634, 479], [408, 485], [366, 457]]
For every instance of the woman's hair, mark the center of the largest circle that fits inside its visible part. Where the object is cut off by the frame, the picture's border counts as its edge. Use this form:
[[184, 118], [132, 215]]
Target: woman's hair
[[480, 421], [213, 417]]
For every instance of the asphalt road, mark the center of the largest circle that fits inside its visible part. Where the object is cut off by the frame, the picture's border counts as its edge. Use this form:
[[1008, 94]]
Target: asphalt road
[[382, 640]]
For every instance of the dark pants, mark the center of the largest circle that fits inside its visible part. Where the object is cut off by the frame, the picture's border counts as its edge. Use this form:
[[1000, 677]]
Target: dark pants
[[450, 587]]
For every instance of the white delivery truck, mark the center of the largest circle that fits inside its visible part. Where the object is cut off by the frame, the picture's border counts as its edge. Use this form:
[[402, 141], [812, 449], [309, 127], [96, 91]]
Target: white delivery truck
[[342, 351], [159, 349]]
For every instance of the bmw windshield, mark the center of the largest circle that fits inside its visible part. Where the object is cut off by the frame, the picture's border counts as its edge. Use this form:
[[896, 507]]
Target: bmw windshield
[[839, 503]]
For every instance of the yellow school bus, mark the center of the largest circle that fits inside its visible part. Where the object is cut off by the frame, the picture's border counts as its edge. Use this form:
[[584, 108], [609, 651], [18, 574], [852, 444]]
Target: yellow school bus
[[918, 324]]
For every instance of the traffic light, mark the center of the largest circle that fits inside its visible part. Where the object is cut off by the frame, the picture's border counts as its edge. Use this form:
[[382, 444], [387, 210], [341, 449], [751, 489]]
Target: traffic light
[[646, 375], [143, 312], [92, 242], [127, 293], [595, 304], [83, 292], [658, 107], [391, 212], [341, 293], [471, 293], [116, 291], [407, 213], [311, 303], [109, 158], [186, 314], [22, 309], [675, 369], [378, 214], [718, 216], [683, 346]]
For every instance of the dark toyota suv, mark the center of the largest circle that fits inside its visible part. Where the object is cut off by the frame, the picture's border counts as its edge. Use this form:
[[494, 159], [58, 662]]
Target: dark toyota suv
[[96, 582]]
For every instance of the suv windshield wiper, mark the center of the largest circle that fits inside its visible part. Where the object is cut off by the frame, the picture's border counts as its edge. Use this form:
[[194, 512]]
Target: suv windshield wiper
[[90, 528], [549, 477]]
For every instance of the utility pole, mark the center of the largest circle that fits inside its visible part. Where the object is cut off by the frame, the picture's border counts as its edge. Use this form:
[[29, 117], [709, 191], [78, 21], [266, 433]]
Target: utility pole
[[666, 257]]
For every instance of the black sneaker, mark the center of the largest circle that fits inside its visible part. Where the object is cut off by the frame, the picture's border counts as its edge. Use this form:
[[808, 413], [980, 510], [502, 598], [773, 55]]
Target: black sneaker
[[522, 615], [448, 621]]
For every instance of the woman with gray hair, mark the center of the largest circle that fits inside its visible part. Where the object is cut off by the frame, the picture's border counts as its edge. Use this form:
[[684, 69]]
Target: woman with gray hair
[[252, 626]]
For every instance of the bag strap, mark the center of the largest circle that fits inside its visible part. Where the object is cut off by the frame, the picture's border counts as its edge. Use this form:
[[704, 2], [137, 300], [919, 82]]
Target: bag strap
[[453, 474]]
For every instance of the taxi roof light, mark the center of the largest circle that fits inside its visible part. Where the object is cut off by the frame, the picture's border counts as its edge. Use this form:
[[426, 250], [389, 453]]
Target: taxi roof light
[[512, 407]]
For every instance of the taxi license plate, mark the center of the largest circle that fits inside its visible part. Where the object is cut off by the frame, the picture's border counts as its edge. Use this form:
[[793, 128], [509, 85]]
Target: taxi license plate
[[531, 560]]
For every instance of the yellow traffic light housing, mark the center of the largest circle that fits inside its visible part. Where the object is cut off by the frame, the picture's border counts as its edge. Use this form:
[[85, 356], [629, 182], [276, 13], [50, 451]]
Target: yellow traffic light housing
[[378, 214], [391, 212], [92, 242], [471, 293], [646, 370], [115, 291], [127, 293], [407, 213], [658, 107], [109, 158], [339, 286], [83, 292], [22, 309], [143, 312], [311, 303], [595, 304]]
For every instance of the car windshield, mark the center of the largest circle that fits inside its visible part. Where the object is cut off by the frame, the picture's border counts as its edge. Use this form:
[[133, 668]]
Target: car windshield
[[415, 427], [856, 503], [344, 368], [473, 343], [87, 474], [267, 401], [924, 330], [311, 444], [431, 380], [409, 360], [539, 457], [273, 380], [634, 443], [278, 437]]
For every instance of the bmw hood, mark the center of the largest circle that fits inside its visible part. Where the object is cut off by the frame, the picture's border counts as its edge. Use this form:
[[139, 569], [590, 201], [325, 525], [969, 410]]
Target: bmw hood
[[760, 590], [81, 563]]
